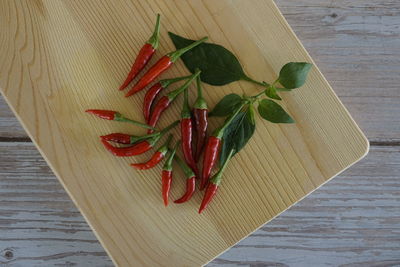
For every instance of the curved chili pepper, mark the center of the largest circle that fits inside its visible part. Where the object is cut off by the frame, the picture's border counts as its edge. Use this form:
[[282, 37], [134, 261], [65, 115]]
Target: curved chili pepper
[[155, 159], [154, 91], [161, 65], [212, 149], [190, 181], [187, 134], [200, 114], [166, 175], [126, 139], [213, 186], [138, 148], [166, 100], [118, 138], [129, 151], [144, 56], [115, 116]]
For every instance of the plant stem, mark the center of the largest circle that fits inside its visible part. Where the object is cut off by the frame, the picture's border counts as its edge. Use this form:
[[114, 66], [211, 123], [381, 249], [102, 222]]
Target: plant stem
[[247, 78], [154, 39], [267, 86], [219, 132], [218, 176]]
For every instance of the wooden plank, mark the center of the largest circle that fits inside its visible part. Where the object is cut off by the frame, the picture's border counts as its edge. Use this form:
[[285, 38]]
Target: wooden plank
[[39, 224], [9, 125], [49, 79], [356, 46], [354, 219]]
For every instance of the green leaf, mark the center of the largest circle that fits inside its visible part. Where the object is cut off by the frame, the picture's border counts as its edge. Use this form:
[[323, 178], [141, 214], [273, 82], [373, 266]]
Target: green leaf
[[273, 112], [237, 134], [271, 93], [294, 74], [217, 64], [226, 105]]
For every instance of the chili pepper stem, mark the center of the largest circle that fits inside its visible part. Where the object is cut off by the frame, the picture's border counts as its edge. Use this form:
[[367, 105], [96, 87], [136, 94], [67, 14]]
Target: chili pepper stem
[[266, 87], [167, 175], [185, 110], [178, 53], [123, 119], [172, 95], [154, 39], [247, 78], [167, 82], [200, 101], [218, 176], [168, 128], [164, 147], [160, 134], [219, 132], [185, 168]]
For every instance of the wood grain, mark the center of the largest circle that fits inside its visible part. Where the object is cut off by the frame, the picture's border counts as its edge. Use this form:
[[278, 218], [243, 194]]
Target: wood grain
[[356, 46], [353, 219], [58, 95]]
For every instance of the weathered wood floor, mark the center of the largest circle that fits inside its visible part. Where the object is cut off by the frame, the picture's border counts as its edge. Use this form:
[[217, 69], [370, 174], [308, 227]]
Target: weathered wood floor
[[354, 220]]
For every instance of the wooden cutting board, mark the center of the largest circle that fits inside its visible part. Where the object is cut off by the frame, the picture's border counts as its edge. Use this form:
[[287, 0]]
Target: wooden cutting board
[[59, 58]]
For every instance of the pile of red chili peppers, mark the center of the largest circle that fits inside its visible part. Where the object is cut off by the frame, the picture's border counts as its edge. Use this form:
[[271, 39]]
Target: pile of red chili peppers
[[193, 125]]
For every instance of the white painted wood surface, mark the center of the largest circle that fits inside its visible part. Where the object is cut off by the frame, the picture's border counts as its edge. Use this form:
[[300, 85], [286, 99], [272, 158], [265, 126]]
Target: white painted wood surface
[[354, 219]]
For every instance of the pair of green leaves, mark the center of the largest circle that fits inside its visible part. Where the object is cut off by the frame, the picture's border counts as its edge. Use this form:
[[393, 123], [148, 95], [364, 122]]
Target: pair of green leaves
[[268, 109], [219, 66]]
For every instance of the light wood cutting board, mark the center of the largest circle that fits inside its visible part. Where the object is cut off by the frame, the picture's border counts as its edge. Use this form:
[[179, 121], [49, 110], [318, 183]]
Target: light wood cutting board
[[59, 58]]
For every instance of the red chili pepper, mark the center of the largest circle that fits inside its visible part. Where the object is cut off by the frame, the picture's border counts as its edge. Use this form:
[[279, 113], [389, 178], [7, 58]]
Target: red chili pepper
[[212, 149], [210, 158], [138, 148], [200, 114], [115, 116], [118, 138], [126, 139], [187, 134], [167, 175], [166, 100], [144, 56], [129, 151], [104, 114], [154, 91], [190, 181], [155, 159], [162, 65], [212, 187]]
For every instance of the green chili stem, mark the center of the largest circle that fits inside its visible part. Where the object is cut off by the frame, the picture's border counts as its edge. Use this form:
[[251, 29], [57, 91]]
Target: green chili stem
[[200, 101], [219, 132], [167, 82], [168, 162], [216, 179], [198, 85], [247, 78], [185, 110], [185, 168], [169, 127], [154, 39], [267, 86], [173, 94], [164, 147], [178, 53], [123, 119]]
